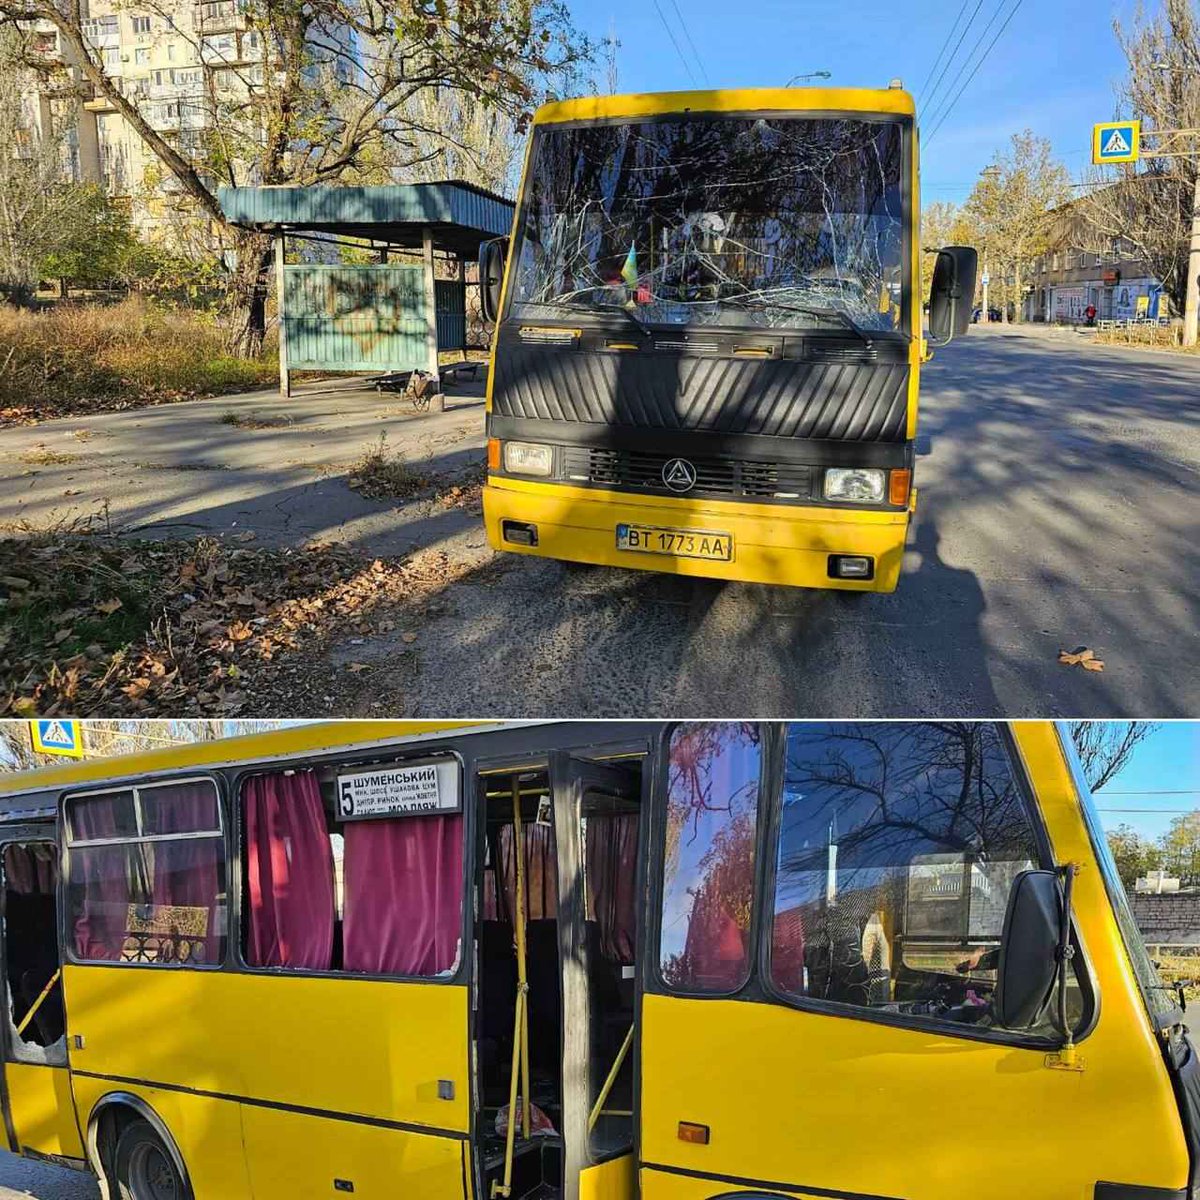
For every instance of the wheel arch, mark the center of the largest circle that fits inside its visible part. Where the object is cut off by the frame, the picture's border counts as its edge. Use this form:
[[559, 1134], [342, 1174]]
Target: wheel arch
[[110, 1108]]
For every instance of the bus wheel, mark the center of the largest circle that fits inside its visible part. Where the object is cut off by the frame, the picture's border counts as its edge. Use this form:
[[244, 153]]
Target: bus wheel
[[144, 1168]]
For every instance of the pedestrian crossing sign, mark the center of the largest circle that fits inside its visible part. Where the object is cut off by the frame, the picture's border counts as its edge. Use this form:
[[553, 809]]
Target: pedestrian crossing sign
[[1116, 142], [57, 736]]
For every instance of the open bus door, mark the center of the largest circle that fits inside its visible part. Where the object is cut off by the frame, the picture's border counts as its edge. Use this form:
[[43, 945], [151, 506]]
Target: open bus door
[[556, 948], [38, 1109]]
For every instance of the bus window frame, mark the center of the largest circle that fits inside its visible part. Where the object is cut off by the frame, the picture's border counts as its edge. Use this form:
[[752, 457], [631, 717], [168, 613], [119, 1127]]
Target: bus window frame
[[381, 756], [907, 329], [750, 988], [1086, 976], [1118, 900], [66, 844]]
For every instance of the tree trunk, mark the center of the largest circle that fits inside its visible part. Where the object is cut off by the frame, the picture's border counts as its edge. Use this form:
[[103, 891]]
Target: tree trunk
[[1018, 297], [246, 302]]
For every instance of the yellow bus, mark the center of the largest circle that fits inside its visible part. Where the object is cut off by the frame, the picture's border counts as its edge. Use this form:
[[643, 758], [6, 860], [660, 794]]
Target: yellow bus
[[709, 336], [587, 960]]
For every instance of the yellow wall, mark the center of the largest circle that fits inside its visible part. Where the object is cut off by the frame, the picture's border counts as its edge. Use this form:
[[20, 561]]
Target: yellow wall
[[349, 1047], [40, 1100], [840, 1103]]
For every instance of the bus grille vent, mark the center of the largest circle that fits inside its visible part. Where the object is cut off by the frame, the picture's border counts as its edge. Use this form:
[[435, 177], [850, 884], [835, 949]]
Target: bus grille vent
[[636, 470]]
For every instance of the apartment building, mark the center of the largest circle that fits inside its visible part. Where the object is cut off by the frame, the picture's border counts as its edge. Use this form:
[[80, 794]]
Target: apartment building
[[177, 65]]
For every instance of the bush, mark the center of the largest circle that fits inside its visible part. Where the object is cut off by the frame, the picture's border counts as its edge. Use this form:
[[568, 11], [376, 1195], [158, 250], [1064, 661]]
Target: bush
[[75, 359]]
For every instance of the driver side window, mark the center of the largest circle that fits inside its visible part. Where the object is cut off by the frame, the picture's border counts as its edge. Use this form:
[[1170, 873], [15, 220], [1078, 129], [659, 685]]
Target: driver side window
[[898, 847]]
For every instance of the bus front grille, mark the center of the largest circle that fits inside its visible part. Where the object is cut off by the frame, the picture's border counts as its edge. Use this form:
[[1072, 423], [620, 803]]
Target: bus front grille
[[734, 478]]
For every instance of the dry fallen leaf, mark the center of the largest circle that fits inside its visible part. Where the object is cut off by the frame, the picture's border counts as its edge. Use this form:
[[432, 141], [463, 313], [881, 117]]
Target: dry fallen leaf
[[108, 607], [1081, 656], [408, 637], [355, 667]]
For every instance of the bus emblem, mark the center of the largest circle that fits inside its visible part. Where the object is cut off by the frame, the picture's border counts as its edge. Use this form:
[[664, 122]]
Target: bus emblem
[[679, 475]]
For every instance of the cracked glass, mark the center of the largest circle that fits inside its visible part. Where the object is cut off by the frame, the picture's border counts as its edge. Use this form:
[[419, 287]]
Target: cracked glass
[[778, 222]]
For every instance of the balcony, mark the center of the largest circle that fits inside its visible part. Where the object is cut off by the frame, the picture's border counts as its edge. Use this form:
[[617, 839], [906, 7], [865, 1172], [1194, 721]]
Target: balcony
[[219, 16]]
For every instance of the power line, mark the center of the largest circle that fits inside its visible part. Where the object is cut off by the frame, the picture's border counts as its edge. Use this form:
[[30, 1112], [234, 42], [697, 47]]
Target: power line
[[687, 34], [674, 42], [948, 100], [1178, 792], [1151, 812], [961, 36], [967, 81], [937, 61]]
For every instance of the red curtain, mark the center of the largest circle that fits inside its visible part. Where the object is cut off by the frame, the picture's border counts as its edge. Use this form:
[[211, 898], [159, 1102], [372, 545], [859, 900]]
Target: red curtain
[[403, 880], [31, 869], [99, 883], [541, 875], [612, 882], [289, 873]]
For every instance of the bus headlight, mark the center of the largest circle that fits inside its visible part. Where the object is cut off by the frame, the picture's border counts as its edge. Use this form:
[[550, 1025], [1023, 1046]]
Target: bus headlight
[[528, 458], [862, 484]]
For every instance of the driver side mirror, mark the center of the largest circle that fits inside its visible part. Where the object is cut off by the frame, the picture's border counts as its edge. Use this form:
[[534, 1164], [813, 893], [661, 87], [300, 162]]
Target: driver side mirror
[[952, 292], [1029, 949], [492, 255]]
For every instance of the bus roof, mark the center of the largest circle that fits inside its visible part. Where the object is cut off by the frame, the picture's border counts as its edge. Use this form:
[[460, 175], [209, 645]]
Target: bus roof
[[313, 737], [653, 104]]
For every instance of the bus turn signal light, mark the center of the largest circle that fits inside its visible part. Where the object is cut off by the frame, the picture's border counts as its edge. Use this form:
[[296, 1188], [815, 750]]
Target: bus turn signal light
[[493, 454], [697, 1134], [898, 486]]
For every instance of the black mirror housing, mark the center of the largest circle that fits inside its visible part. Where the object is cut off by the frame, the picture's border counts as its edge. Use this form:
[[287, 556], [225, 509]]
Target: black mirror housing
[[1029, 949], [952, 293], [492, 256]]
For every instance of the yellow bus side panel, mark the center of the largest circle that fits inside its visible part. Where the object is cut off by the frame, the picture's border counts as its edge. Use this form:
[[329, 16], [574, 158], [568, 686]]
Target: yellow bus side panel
[[43, 1111], [613, 1180], [771, 544], [837, 1103], [293, 1156], [368, 1047], [207, 1132]]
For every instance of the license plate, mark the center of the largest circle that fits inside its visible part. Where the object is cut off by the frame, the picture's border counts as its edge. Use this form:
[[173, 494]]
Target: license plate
[[679, 543]]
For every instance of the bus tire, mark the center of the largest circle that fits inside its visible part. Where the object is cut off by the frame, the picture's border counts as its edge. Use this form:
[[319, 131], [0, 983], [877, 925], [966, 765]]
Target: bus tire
[[143, 1166]]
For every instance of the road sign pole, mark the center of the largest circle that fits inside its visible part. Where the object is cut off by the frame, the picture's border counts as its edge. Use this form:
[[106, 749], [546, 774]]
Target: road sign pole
[[1191, 303]]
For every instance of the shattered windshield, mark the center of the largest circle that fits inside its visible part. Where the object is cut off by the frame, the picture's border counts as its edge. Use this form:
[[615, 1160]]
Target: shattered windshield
[[782, 222]]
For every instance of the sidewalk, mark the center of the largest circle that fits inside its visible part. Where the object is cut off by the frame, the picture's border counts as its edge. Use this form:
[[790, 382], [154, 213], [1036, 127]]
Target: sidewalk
[[276, 475]]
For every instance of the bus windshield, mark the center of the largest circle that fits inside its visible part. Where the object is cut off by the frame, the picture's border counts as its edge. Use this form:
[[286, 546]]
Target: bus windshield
[[782, 222]]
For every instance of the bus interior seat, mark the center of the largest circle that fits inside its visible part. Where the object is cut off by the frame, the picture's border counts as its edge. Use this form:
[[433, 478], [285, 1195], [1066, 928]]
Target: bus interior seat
[[545, 997], [498, 986]]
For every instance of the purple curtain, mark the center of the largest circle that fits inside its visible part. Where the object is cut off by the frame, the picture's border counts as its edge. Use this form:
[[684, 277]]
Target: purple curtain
[[289, 873], [188, 873], [31, 870], [541, 875], [403, 881], [612, 882], [99, 879]]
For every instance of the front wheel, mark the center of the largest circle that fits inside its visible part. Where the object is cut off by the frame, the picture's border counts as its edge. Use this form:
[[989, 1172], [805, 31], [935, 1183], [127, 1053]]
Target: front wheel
[[144, 1167]]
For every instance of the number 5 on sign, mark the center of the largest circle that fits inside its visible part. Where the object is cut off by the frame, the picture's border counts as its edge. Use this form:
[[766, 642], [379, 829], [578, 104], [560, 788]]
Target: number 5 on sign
[[1116, 142]]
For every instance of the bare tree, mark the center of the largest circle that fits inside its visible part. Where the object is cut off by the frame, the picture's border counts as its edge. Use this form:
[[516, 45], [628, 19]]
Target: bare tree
[[1105, 747], [336, 88], [1011, 206], [1150, 208]]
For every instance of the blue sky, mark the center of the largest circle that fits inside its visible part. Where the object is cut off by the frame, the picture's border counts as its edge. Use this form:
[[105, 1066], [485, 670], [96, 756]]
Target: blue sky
[[1167, 761], [1053, 69]]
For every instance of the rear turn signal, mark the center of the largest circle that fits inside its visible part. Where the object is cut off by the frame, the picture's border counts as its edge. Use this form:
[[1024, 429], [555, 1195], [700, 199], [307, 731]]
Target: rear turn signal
[[898, 486], [493, 454], [697, 1134]]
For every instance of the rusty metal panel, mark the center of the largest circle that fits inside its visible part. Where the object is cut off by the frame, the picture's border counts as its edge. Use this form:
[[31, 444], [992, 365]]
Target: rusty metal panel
[[363, 318]]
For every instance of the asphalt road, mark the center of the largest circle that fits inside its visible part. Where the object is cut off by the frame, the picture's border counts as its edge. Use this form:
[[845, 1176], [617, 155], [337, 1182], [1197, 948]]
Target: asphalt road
[[22, 1177], [1058, 508]]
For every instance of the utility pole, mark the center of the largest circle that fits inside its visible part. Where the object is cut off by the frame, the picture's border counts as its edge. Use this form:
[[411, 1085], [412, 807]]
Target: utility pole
[[1191, 301], [984, 318]]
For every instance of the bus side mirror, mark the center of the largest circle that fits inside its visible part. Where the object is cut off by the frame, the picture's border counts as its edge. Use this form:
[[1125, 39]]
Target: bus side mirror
[[1029, 949], [491, 276], [952, 292]]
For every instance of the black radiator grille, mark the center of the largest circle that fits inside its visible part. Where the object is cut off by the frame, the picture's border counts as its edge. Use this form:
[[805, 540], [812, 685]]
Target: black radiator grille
[[736, 478]]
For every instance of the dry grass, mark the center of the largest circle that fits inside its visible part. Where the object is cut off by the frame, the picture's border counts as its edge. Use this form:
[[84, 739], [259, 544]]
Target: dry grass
[[381, 474], [77, 359], [1175, 967]]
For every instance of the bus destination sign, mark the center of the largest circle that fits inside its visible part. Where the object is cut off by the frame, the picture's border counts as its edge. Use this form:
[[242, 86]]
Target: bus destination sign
[[411, 791]]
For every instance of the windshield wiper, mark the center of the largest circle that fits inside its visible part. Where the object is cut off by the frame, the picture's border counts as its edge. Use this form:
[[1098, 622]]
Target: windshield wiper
[[576, 306], [838, 314]]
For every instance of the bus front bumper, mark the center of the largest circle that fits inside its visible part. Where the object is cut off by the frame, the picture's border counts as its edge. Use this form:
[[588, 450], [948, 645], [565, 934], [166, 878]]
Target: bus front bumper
[[778, 544]]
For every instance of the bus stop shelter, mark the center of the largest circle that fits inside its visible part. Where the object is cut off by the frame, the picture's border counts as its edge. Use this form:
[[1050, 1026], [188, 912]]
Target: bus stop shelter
[[387, 317]]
